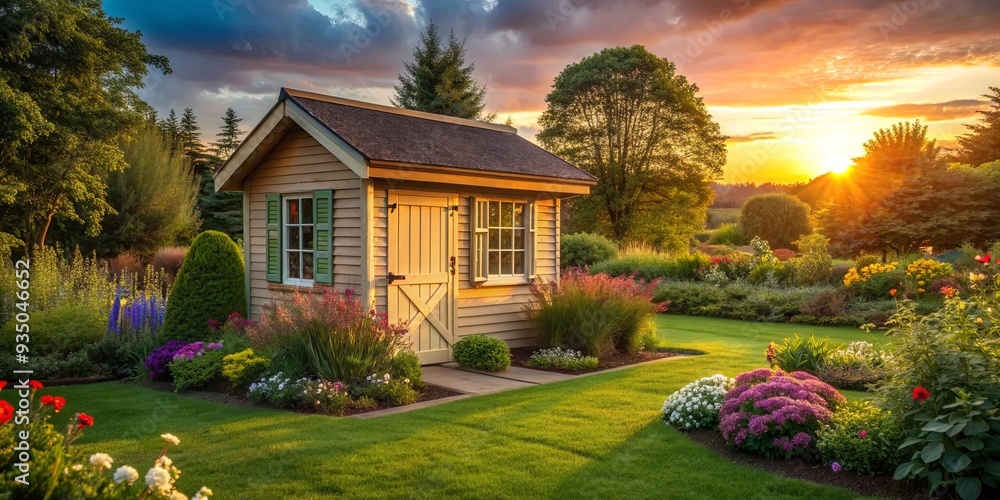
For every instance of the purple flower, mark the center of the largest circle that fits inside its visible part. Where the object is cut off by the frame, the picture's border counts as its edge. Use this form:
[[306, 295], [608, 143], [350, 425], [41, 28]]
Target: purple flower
[[159, 360], [835, 466]]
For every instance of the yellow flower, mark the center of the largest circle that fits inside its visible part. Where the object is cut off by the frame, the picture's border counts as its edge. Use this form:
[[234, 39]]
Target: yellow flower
[[979, 320]]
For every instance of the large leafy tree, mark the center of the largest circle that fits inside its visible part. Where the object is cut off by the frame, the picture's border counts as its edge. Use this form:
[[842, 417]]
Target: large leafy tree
[[68, 75], [628, 118], [778, 218], [982, 143], [154, 198], [439, 81]]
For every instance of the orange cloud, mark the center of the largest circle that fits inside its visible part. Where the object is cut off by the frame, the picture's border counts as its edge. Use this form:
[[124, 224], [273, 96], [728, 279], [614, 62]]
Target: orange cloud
[[932, 112]]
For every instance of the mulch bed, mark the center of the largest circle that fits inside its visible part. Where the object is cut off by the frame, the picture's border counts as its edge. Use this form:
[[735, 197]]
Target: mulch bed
[[882, 486], [521, 355], [220, 396]]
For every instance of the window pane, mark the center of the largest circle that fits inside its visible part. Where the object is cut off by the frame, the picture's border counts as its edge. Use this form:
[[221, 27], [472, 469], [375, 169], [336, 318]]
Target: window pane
[[494, 214], [507, 215], [294, 265], [519, 215], [507, 238], [494, 239], [293, 211], [519, 239], [494, 262], [518, 262], [294, 238], [307, 237], [507, 263], [307, 211], [307, 265]]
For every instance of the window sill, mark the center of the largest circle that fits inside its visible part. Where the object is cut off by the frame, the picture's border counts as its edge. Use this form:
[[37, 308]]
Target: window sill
[[505, 282], [295, 287]]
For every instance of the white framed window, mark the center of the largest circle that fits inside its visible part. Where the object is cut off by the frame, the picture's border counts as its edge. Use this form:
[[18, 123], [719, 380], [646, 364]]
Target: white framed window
[[503, 241], [298, 235]]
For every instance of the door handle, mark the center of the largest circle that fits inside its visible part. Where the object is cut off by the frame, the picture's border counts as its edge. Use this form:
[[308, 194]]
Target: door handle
[[452, 265], [389, 278]]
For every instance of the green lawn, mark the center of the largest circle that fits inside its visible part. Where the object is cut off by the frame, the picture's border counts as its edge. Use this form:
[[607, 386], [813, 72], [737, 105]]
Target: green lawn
[[595, 437]]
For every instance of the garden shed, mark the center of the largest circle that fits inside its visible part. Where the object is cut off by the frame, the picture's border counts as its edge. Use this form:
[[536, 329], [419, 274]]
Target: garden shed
[[439, 221]]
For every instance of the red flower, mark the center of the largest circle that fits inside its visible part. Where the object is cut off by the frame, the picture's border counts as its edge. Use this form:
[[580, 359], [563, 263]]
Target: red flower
[[3, 383], [948, 291], [84, 420], [36, 385], [892, 292], [863, 434], [57, 402], [984, 259], [6, 412], [921, 394]]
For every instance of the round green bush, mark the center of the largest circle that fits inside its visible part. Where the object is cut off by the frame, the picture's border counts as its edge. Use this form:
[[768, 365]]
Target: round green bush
[[482, 353], [585, 249], [861, 438], [210, 285], [780, 219]]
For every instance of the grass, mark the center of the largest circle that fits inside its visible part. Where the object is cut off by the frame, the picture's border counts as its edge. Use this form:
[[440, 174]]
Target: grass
[[720, 216], [592, 437]]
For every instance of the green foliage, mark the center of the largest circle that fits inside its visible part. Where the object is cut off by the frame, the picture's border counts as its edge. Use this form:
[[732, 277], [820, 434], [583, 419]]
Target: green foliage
[[229, 137], [243, 367], [652, 266], [594, 314], [438, 81], [56, 280], [798, 354], [482, 353], [220, 211], [197, 372], [813, 267], [562, 359], [780, 219], [406, 365], [210, 285], [982, 143], [735, 301], [861, 438], [121, 356], [729, 234], [386, 389], [60, 135], [585, 249], [153, 199], [59, 340], [663, 148], [857, 367]]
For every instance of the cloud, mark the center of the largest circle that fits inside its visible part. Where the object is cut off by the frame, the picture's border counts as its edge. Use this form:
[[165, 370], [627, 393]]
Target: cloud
[[754, 137], [932, 112]]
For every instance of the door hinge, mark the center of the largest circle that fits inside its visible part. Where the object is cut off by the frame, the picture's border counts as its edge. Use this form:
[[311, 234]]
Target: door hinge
[[392, 207]]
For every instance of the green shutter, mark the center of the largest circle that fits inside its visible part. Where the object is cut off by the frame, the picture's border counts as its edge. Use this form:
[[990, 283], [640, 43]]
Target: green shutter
[[323, 218], [274, 237]]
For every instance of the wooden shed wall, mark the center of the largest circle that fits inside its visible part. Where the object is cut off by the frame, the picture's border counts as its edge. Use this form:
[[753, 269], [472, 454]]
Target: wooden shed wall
[[299, 164]]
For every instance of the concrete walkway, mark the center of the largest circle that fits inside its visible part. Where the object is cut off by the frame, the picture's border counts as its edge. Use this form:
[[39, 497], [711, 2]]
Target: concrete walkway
[[471, 382]]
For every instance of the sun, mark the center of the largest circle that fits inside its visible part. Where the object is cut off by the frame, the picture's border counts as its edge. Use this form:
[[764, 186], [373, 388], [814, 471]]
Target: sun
[[840, 169]]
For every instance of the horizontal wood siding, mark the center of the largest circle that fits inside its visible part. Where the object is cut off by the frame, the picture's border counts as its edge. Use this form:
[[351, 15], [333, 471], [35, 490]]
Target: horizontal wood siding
[[298, 164]]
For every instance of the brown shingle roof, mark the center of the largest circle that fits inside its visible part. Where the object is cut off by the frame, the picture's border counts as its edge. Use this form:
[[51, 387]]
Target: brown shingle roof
[[381, 133]]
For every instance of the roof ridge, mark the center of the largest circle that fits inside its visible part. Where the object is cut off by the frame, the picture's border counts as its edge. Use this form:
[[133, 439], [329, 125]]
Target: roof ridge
[[287, 92]]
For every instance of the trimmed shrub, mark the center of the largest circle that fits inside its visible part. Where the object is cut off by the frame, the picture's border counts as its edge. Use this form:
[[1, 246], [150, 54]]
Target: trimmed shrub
[[406, 365], [482, 353], [243, 367], [697, 404], [861, 438], [778, 218], [344, 339], [585, 249], [594, 314], [730, 234], [197, 371], [776, 414], [798, 354], [652, 266], [735, 301], [210, 285]]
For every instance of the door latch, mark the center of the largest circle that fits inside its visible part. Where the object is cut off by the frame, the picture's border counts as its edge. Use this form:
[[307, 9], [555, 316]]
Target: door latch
[[452, 265], [389, 278]]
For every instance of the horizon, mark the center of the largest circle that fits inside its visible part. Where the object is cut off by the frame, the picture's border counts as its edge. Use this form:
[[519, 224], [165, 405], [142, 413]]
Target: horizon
[[798, 87]]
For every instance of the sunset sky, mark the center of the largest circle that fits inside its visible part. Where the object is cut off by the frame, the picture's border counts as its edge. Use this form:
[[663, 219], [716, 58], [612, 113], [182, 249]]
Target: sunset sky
[[798, 85]]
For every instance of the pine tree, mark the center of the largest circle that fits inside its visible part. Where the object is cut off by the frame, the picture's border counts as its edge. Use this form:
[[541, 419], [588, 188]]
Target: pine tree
[[437, 80], [171, 128], [189, 136], [982, 144], [229, 136]]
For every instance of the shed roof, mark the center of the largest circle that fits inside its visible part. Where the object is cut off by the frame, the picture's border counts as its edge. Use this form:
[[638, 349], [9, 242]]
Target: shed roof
[[383, 133]]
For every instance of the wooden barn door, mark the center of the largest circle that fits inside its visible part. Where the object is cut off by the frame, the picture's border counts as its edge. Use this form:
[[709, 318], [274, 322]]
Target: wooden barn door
[[421, 281]]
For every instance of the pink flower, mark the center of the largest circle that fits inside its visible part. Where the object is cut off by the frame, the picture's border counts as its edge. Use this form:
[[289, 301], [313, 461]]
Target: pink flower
[[835, 466], [863, 434]]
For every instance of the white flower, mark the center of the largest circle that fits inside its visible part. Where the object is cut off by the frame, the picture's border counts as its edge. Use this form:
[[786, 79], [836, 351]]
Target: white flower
[[77, 467], [125, 474], [202, 494], [176, 495], [170, 438], [102, 460], [158, 479], [164, 462]]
